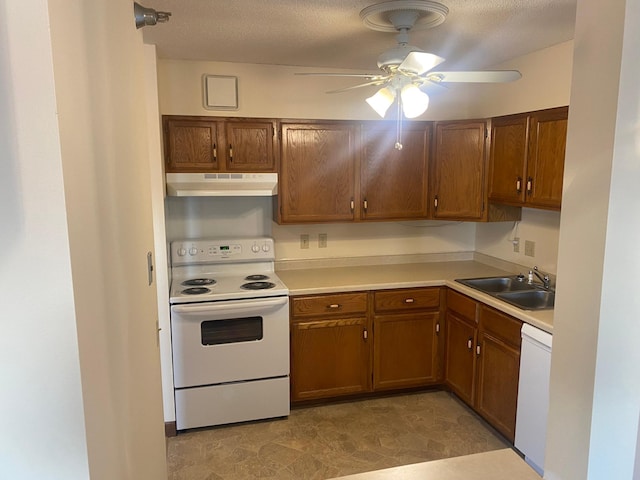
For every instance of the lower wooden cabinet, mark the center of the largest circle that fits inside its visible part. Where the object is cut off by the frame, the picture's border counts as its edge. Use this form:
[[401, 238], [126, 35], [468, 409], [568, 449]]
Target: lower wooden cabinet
[[361, 342], [330, 353], [498, 369], [406, 332], [483, 360], [350, 343]]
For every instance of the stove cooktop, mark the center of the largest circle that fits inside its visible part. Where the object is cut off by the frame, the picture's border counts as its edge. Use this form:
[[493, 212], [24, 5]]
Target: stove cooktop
[[208, 270]]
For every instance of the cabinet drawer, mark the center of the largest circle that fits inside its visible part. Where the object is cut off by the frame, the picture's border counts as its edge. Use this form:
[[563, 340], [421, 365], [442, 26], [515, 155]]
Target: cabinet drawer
[[332, 304], [464, 306], [501, 326], [406, 299]]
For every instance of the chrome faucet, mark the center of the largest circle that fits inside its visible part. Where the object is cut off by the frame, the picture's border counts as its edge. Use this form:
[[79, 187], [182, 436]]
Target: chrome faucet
[[544, 277]]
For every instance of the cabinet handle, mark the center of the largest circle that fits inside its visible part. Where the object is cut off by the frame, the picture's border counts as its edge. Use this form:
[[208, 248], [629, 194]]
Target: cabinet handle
[[438, 327], [230, 153], [478, 349], [519, 184], [215, 153], [365, 334], [529, 185], [470, 343], [365, 204], [435, 202], [334, 305], [409, 300], [353, 205]]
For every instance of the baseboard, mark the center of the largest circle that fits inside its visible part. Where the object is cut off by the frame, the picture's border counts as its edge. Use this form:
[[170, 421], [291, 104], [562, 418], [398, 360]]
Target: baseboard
[[170, 429]]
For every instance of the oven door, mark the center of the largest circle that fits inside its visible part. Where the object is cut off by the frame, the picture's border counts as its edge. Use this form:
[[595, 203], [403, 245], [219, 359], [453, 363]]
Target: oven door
[[230, 341]]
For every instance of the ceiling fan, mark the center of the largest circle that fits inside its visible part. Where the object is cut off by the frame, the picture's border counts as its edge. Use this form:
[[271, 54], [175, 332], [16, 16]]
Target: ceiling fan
[[407, 68]]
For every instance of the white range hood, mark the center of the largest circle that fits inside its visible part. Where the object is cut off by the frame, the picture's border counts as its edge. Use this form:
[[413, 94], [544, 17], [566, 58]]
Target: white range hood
[[222, 184]]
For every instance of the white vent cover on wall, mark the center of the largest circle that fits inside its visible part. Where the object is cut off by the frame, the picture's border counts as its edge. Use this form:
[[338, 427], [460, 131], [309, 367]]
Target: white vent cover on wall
[[220, 92]]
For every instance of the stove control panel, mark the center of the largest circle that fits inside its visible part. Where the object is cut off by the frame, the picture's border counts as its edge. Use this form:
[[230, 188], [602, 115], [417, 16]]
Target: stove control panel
[[185, 252]]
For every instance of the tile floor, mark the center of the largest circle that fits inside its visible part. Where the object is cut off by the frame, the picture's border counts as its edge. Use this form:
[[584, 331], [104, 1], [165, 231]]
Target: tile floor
[[318, 443]]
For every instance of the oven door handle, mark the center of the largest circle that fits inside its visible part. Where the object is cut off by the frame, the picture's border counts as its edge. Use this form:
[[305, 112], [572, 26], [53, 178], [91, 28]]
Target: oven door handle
[[236, 308]]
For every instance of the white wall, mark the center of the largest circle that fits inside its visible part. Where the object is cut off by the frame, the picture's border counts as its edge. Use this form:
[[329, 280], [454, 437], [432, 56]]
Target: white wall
[[100, 80], [43, 427], [595, 387], [79, 351], [275, 91]]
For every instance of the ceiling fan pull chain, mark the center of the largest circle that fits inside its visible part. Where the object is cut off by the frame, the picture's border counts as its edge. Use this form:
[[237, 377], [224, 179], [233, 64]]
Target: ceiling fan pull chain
[[398, 145]]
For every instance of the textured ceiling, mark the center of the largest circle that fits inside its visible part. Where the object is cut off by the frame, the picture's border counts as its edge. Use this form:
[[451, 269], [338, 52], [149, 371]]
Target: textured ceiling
[[329, 33]]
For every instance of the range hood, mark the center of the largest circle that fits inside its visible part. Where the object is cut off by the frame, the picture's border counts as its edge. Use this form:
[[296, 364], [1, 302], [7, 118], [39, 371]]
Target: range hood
[[222, 184]]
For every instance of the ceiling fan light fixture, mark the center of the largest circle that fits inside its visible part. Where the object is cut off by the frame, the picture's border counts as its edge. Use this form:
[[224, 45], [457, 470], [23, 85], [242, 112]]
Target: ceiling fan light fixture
[[414, 101], [382, 100]]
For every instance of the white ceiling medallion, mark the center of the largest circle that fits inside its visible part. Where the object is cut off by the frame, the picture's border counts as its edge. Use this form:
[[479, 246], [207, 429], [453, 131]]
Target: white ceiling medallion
[[394, 15]]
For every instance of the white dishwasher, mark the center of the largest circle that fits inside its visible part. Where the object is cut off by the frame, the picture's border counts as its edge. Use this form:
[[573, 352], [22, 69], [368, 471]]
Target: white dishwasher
[[533, 395]]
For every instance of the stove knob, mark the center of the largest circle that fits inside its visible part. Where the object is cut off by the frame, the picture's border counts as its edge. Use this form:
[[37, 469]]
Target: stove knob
[[266, 247], [182, 252], [193, 251], [255, 248]]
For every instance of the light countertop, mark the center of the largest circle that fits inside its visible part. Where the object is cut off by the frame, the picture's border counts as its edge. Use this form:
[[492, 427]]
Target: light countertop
[[317, 280], [502, 464]]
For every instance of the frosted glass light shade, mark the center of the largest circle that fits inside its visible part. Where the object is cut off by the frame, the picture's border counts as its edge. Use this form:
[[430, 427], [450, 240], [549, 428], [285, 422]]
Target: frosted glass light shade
[[382, 100], [414, 101]]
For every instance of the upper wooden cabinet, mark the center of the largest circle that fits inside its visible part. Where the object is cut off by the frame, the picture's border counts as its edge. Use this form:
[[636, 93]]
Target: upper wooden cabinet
[[348, 171], [317, 172], [394, 182], [527, 158], [458, 170], [213, 144]]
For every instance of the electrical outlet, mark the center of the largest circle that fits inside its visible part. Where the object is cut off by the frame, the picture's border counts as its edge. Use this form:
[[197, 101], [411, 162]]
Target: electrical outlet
[[304, 241], [529, 248], [322, 240], [516, 244]]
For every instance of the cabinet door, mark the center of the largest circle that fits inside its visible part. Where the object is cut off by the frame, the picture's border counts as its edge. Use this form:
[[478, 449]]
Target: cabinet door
[[497, 384], [509, 139], [394, 182], [459, 170], [190, 145], [498, 369], [405, 350], [250, 146], [460, 356], [329, 358], [317, 178], [546, 157]]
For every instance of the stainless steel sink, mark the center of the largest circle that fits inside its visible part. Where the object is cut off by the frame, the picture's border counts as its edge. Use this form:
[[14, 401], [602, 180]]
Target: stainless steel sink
[[498, 284], [514, 290], [529, 300]]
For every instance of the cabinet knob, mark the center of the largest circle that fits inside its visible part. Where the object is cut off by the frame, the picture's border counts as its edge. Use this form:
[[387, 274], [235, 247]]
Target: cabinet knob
[[334, 306], [435, 201], [470, 343], [353, 205], [215, 153], [409, 300], [519, 184], [529, 185], [230, 153], [477, 349], [365, 204]]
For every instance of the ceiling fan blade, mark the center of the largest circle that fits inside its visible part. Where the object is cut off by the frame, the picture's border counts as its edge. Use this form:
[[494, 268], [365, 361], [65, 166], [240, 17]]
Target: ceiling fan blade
[[485, 76], [359, 75], [419, 62], [380, 81]]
